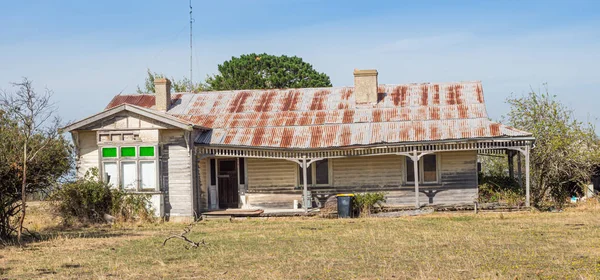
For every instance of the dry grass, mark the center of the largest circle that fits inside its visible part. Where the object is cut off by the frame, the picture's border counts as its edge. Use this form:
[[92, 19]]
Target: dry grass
[[444, 246]]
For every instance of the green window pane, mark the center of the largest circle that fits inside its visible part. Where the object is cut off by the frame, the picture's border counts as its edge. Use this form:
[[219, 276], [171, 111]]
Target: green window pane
[[128, 151], [109, 152], [146, 151]]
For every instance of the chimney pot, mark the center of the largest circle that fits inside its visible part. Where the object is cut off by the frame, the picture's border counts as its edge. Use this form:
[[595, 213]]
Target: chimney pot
[[365, 86], [162, 92]]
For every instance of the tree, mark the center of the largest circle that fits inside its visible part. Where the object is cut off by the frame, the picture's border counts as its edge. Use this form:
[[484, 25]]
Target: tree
[[264, 71], [33, 154], [182, 85], [565, 150]]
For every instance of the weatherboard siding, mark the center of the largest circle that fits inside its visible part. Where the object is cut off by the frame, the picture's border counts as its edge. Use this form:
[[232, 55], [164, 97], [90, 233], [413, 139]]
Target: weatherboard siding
[[274, 183], [271, 174], [203, 173], [375, 171], [177, 180], [88, 152]]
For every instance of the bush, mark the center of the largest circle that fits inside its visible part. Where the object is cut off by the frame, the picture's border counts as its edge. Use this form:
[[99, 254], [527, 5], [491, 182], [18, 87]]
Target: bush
[[500, 188], [88, 199], [365, 202]]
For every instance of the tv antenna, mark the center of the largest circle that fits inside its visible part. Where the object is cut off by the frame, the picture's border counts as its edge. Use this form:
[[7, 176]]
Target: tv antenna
[[191, 85]]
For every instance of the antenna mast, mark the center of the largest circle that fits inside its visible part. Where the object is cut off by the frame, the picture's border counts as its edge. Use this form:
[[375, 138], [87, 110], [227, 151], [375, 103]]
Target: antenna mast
[[191, 85]]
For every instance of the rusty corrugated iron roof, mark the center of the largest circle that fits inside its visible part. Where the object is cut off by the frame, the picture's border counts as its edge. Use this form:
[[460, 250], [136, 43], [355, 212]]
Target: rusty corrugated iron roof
[[330, 117]]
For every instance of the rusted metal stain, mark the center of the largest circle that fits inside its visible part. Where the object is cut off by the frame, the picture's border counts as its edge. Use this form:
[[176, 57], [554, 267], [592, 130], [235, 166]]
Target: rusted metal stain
[[495, 129], [377, 115], [230, 136], [436, 95], [264, 103], [479, 92], [306, 118], [348, 116], [399, 95], [318, 100], [346, 93], [316, 134], [320, 117], [450, 95], [287, 138], [434, 132], [419, 131], [257, 137], [424, 95], [290, 101], [458, 93], [237, 105], [345, 136], [480, 132], [434, 113], [463, 111], [142, 100]]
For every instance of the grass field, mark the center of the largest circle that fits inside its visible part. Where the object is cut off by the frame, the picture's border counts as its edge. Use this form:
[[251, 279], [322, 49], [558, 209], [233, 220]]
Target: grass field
[[439, 246]]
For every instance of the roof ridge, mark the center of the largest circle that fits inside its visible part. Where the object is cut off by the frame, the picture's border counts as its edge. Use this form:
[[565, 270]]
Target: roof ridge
[[307, 88]]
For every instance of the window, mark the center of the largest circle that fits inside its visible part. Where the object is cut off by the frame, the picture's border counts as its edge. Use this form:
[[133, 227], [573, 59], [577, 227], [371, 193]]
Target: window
[[410, 170], [130, 167], [317, 172], [242, 170], [322, 172], [110, 173], [428, 169], [146, 151], [128, 175], [109, 152], [148, 174], [127, 151]]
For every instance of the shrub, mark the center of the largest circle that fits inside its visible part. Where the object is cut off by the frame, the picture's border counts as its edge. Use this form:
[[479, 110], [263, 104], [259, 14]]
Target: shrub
[[500, 188], [365, 202], [88, 199]]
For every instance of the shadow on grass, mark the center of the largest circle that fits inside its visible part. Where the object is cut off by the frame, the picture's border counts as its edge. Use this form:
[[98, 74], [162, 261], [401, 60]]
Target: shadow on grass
[[68, 233]]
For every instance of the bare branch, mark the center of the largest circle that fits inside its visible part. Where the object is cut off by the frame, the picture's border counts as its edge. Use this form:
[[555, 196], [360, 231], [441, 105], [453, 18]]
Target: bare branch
[[183, 237]]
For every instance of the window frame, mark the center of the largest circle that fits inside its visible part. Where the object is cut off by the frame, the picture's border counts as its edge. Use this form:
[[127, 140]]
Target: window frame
[[313, 174], [421, 170], [138, 159]]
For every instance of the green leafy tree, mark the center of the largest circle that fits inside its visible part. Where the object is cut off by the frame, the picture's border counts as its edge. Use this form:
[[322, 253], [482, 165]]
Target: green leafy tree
[[33, 154], [264, 71], [565, 150], [182, 85]]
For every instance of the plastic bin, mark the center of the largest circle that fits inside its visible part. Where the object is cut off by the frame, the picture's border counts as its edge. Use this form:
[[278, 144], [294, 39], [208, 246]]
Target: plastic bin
[[345, 205]]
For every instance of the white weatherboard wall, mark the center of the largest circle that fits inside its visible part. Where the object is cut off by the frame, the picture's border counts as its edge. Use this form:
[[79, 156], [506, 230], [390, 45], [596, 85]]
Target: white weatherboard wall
[[88, 152], [271, 173], [271, 182], [368, 171], [176, 174]]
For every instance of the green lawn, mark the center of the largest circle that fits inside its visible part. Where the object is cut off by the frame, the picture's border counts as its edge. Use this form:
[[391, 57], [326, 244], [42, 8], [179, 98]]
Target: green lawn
[[444, 246]]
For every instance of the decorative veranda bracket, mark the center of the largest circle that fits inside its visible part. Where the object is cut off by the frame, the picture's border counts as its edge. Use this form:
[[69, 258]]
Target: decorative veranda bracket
[[304, 164]]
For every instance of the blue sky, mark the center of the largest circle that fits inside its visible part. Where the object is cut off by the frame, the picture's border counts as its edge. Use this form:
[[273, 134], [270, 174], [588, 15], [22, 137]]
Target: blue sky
[[89, 51]]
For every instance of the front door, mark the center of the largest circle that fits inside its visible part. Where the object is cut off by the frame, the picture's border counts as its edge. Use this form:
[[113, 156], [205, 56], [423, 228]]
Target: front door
[[228, 184]]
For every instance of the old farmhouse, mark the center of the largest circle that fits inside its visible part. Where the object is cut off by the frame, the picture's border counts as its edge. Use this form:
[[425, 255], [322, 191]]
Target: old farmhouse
[[195, 152]]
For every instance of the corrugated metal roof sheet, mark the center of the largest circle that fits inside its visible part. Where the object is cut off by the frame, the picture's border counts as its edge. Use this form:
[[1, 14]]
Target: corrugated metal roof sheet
[[330, 117]]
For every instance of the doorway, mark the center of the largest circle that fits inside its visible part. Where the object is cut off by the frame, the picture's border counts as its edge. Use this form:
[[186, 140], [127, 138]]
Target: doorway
[[228, 184]]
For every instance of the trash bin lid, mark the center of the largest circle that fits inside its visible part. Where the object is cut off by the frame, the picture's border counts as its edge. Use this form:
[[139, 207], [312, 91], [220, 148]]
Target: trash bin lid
[[345, 194]]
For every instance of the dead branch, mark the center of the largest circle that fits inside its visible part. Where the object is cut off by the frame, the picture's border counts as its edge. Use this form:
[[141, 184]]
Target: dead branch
[[183, 237]]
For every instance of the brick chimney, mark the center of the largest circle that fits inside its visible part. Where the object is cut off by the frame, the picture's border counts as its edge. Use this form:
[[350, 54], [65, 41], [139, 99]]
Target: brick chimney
[[365, 86], [162, 93]]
